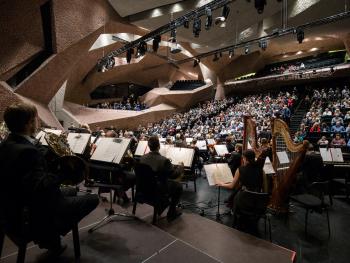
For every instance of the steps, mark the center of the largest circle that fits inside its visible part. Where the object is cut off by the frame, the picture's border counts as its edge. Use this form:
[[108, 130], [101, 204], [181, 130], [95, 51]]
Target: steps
[[297, 117]]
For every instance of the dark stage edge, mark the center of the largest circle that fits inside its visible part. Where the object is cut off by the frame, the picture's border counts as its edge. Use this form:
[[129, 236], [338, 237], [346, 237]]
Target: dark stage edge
[[190, 238]]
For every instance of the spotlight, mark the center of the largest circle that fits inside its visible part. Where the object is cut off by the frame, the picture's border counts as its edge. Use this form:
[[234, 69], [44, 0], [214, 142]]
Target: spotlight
[[129, 53], [332, 69], [231, 53], [196, 62], [300, 35], [172, 36], [221, 20], [246, 50], [187, 23], [101, 65], [197, 24], [209, 19], [156, 42], [175, 48], [216, 58], [105, 64], [260, 5], [141, 49], [263, 44]]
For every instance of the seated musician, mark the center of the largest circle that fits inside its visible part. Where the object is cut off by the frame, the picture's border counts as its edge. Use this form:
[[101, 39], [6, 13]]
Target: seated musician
[[26, 184], [234, 161], [249, 176], [167, 172]]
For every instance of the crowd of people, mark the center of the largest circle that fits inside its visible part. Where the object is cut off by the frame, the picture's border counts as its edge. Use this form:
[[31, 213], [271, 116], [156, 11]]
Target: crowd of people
[[127, 103], [328, 118]]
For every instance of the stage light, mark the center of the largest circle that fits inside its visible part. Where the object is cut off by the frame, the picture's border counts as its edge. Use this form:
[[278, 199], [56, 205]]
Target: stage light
[[172, 36], [246, 50], [221, 20], [196, 62], [129, 53], [260, 5], [216, 58], [300, 35], [155, 44], [101, 66], [332, 69], [141, 49], [263, 44], [105, 64], [187, 23], [209, 19], [197, 24], [231, 53]]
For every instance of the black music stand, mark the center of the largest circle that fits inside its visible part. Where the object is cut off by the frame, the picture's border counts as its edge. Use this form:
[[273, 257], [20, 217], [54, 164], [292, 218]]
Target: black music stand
[[111, 214]]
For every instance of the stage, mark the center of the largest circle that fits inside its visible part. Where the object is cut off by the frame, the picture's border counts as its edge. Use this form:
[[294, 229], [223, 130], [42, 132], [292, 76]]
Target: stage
[[190, 238]]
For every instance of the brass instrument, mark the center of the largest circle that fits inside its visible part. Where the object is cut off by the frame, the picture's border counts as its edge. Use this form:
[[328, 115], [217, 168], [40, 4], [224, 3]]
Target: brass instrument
[[72, 168], [4, 132]]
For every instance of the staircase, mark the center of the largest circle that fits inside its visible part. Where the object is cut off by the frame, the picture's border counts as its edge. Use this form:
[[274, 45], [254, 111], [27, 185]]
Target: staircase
[[297, 117]]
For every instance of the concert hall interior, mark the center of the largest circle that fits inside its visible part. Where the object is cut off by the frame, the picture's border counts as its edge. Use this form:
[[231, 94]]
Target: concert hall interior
[[174, 131]]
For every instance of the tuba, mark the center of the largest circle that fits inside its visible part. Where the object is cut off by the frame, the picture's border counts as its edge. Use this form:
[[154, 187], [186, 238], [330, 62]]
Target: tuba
[[71, 168]]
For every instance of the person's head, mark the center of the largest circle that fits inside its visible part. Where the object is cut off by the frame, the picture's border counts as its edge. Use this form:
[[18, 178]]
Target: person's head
[[111, 134], [337, 136], [248, 156], [264, 141], [22, 118], [337, 123], [238, 147], [153, 144]]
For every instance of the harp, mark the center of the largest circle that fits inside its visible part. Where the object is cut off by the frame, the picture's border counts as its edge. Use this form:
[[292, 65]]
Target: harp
[[287, 158], [250, 139]]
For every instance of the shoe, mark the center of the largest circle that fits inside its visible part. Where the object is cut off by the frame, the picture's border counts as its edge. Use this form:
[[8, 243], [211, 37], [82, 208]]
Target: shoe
[[173, 215]]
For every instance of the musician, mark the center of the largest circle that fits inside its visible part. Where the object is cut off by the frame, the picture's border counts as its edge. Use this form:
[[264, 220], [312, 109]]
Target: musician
[[229, 144], [234, 161], [24, 171], [248, 177], [167, 172]]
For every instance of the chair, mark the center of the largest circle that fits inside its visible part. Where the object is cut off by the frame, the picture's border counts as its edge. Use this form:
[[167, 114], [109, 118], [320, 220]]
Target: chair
[[251, 205], [149, 190], [313, 201], [22, 238]]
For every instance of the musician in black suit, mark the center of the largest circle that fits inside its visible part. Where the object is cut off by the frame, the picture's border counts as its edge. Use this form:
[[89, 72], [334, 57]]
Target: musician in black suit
[[234, 161], [26, 185], [166, 173]]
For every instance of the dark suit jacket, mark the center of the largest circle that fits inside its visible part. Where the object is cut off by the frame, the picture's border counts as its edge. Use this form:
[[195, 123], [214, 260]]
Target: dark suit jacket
[[160, 165], [234, 161], [25, 181]]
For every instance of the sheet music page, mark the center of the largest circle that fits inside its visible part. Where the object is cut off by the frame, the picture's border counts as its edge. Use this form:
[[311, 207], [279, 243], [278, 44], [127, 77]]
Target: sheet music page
[[326, 155], [110, 150], [41, 135], [178, 155], [122, 145], [92, 139], [337, 155], [282, 157], [268, 168], [202, 145], [211, 141], [164, 149], [221, 149], [78, 142], [105, 151], [218, 173], [162, 140], [189, 140], [141, 149]]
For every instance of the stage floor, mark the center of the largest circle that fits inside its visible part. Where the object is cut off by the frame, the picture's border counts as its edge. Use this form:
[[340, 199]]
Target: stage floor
[[190, 238]]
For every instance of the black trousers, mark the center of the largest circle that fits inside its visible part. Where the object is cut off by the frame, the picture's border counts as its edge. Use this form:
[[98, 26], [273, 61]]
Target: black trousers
[[70, 209], [175, 192]]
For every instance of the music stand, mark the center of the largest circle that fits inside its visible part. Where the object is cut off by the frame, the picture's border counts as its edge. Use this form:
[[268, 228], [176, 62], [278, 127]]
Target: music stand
[[110, 166]]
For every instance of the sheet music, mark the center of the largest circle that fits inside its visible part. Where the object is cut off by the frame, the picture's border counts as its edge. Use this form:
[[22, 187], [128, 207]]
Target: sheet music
[[337, 155], [111, 150], [78, 142], [326, 155], [218, 173], [221, 149], [282, 157], [41, 135], [162, 140], [268, 168], [142, 148], [178, 155], [189, 140], [92, 139], [164, 149], [202, 145], [211, 141]]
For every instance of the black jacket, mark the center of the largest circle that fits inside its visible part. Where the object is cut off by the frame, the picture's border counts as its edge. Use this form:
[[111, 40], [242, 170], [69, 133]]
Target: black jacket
[[26, 182]]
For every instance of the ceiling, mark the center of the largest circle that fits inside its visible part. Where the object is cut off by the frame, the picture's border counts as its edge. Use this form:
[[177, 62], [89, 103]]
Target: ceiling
[[243, 23]]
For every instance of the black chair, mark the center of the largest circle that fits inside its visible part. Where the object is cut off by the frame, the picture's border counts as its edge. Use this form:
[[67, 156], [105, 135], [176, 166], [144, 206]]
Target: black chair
[[313, 201], [21, 237], [150, 190], [252, 206]]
